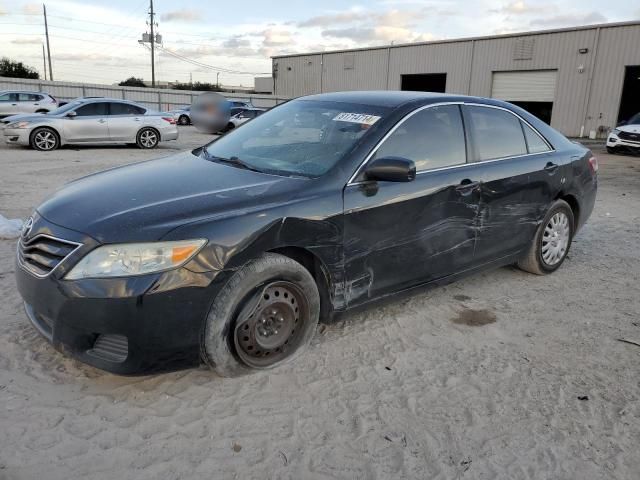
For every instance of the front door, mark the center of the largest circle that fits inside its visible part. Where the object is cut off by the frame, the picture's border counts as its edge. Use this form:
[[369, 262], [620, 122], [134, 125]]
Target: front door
[[398, 235], [89, 124], [9, 104]]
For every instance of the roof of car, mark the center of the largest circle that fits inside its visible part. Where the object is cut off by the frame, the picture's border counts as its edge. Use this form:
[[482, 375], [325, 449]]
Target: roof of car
[[388, 98]]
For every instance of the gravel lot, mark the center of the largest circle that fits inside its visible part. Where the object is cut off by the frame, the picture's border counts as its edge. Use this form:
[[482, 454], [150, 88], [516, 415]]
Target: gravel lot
[[404, 390]]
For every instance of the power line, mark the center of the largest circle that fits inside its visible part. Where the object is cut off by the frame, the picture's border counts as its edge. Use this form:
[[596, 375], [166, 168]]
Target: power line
[[205, 65]]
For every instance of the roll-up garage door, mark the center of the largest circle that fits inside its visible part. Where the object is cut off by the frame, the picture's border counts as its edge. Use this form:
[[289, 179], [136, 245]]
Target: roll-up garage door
[[525, 86]]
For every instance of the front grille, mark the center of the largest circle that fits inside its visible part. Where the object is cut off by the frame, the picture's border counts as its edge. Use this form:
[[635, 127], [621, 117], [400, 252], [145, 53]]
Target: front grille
[[631, 137], [113, 348], [42, 254]]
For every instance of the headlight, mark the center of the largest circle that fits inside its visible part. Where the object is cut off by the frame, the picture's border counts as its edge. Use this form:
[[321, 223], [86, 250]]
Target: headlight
[[19, 125], [128, 259]]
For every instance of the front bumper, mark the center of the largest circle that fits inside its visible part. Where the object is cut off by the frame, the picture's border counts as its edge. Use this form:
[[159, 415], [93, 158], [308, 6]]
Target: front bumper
[[613, 141], [132, 325], [16, 136]]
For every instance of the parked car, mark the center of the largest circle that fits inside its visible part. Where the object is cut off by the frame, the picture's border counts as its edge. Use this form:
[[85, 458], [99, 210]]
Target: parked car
[[92, 121], [625, 137], [231, 253], [182, 115], [242, 117], [13, 102]]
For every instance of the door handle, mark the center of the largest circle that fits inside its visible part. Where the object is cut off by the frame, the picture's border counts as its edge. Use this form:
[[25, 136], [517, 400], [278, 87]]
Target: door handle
[[136, 119], [467, 186], [550, 167]]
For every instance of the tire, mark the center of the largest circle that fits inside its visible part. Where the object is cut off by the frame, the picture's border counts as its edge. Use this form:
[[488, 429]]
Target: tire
[[147, 138], [42, 110], [551, 242], [269, 293], [611, 150], [183, 120], [44, 139], [230, 126]]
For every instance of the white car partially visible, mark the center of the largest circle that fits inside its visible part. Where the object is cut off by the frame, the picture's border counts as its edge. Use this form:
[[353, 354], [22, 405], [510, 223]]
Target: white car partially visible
[[243, 117], [625, 137], [13, 102]]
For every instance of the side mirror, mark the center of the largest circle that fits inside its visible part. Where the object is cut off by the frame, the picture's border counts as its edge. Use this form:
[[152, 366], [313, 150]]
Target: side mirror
[[71, 114], [391, 169]]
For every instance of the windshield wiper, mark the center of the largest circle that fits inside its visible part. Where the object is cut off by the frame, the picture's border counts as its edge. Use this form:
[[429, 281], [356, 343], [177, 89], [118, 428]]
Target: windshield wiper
[[231, 160]]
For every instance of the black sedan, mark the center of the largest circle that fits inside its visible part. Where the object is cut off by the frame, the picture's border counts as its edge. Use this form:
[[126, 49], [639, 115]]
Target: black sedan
[[230, 254]]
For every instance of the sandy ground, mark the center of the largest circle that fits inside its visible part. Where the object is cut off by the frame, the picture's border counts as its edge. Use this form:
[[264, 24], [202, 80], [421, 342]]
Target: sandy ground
[[540, 389]]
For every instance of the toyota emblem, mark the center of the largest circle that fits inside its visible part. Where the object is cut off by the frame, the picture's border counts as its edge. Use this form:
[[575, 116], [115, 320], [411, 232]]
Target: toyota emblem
[[26, 228]]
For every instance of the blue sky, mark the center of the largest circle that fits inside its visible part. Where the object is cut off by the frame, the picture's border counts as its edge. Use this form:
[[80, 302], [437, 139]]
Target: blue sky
[[96, 42]]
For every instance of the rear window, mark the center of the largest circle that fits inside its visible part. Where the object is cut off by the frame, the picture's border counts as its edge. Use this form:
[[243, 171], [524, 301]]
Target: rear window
[[535, 143], [496, 133]]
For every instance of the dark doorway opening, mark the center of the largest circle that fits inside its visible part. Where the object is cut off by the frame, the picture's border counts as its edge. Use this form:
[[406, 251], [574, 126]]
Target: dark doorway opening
[[542, 110], [630, 101], [424, 82]]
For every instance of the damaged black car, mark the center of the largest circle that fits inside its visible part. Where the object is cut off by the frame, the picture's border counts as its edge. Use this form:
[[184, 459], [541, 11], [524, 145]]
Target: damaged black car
[[230, 254]]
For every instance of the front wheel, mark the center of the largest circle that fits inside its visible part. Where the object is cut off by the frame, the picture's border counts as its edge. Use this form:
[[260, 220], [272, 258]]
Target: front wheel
[[147, 138], [263, 317], [611, 150], [551, 242], [44, 139]]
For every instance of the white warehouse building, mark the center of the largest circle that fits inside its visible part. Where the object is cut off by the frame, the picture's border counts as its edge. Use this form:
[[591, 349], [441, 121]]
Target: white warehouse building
[[581, 80]]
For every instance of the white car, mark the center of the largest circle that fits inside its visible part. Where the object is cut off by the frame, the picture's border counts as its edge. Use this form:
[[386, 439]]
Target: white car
[[242, 117], [13, 102], [625, 137], [90, 122], [182, 115]]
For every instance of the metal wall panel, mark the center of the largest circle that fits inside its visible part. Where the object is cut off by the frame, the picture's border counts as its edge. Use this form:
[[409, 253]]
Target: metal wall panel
[[525, 86], [554, 51], [618, 47], [454, 59], [298, 76], [347, 71]]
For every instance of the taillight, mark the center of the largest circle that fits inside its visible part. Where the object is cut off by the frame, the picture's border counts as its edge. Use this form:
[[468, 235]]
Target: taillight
[[171, 120], [593, 165]]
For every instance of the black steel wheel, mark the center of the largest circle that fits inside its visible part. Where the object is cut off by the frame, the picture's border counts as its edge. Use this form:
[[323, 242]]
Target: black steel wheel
[[263, 317], [266, 331], [183, 120]]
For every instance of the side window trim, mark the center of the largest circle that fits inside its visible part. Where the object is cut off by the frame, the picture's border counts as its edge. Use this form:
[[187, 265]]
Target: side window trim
[[468, 140]]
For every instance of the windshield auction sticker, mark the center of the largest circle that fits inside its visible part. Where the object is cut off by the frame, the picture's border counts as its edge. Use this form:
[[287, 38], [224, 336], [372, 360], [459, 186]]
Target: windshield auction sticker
[[360, 118]]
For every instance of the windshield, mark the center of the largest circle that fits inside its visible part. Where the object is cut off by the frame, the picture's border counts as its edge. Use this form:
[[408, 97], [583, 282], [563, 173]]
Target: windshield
[[635, 120], [65, 108], [301, 137]]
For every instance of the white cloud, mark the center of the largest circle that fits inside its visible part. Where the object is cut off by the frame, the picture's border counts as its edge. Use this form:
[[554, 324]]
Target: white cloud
[[569, 20], [184, 15], [26, 41], [524, 8]]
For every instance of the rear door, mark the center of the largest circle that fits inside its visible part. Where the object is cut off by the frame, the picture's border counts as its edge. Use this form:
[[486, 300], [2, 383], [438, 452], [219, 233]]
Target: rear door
[[398, 235], [124, 121], [29, 102], [89, 124], [519, 180], [9, 104]]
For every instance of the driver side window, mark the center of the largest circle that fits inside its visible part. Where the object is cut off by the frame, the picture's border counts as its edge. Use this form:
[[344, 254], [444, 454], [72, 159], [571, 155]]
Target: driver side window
[[432, 138]]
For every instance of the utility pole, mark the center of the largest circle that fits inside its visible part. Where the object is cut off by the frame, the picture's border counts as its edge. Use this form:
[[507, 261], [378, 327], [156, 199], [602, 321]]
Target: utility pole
[[46, 32], [44, 62], [153, 43], [218, 79]]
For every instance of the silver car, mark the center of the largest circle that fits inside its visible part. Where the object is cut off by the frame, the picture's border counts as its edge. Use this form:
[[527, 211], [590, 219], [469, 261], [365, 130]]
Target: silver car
[[91, 121], [13, 102], [182, 115]]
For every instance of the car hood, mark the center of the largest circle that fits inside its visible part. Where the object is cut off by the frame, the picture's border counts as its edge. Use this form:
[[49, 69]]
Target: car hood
[[145, 201], [24, 117], [630, 128]]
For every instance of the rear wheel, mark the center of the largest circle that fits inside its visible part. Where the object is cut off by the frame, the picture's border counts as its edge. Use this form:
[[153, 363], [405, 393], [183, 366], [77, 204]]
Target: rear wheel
[[263, 317], [44, 139], [147, 138], [183, 120], [552, 241], [230, 126]]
